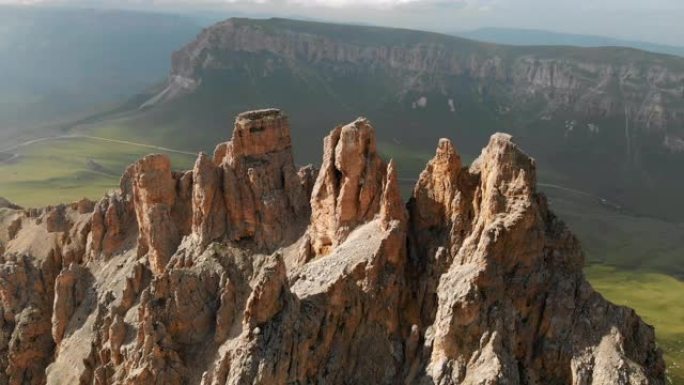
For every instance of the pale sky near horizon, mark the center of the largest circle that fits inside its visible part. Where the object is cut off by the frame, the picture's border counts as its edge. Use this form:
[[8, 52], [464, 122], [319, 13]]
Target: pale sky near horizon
[[658, 21]]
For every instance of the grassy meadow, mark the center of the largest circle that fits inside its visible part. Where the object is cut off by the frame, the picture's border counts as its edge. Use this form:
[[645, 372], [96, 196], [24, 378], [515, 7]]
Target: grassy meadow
[[64, 170]]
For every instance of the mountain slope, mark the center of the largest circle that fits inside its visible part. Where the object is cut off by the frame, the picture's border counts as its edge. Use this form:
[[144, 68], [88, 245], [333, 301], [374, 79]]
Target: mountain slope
[[513, 36], [245, 270], [59, 64], [607, 121]]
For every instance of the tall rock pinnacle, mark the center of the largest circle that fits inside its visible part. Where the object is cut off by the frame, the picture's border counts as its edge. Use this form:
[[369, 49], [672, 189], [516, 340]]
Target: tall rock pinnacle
[[263, 194], [349, 187], [154, 194]]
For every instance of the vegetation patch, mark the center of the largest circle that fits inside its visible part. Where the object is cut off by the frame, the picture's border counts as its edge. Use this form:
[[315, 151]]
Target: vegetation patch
[[68, 169]]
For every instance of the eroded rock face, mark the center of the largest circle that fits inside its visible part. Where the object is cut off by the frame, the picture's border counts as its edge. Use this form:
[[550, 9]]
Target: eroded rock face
[[154, 195], [512, 305], [349, 186], [212, 276], [208, 205], [264, 196]]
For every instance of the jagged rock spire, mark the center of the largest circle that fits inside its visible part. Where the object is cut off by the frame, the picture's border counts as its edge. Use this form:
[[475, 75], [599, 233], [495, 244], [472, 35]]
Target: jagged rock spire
[[349, 187], [208, 205], [265, 198], [154, 195]]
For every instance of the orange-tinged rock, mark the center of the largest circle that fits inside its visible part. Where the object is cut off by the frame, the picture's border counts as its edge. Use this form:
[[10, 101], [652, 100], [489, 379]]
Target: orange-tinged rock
[[261, 132], [349, 186], [212, 277], [208, 206], [264, 197], [154, 194], [392, 208]]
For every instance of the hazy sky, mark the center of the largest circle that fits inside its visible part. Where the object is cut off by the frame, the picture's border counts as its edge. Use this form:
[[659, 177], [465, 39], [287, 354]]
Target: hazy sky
[[660, 21]]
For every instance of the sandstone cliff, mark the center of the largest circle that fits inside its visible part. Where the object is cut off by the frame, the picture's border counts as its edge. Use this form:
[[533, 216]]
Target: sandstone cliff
[[246, 270]]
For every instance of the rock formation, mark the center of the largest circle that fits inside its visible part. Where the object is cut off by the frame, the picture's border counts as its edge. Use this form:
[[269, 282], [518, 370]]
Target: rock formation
[[349, 185], [154, 196], [262, 190], [246, 271]]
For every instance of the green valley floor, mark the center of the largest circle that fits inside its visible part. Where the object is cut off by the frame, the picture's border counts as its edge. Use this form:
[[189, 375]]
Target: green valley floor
[[66, 169]]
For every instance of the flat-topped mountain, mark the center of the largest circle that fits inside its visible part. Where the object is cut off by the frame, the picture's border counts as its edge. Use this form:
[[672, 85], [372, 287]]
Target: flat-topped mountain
[[608, 121], [248, 270]]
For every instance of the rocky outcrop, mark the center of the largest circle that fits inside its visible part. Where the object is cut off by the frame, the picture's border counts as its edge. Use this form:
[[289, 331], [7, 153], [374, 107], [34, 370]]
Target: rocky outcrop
[[26, 345], [41, 253], [264, 196], [233, 274], [70, 287], [154, 195], [209, 209], [509, 273], [113, 219], [349, 186]]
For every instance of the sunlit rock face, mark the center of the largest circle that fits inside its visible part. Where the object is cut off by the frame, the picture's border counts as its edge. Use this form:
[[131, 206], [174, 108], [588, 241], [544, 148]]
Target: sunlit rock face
[[265, 197], [246, 270]]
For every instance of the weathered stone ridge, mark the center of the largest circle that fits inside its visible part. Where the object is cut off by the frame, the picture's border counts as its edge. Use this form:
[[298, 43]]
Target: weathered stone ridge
[[245, 270]]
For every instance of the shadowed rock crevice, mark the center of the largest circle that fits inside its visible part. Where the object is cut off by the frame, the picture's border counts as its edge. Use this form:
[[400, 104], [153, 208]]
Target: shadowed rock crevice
[[246, 270]]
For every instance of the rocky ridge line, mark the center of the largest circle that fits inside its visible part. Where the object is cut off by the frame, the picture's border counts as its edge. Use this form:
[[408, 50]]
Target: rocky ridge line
[[246, 270]]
